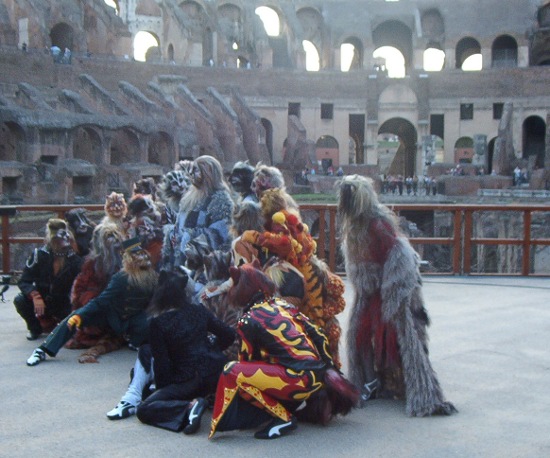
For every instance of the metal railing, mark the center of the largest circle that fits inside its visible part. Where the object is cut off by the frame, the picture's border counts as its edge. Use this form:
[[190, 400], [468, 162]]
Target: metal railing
[[461, 242]]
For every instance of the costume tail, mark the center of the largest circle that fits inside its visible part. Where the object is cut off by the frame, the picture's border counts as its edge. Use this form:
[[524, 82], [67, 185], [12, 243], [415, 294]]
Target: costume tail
[[342, 393]]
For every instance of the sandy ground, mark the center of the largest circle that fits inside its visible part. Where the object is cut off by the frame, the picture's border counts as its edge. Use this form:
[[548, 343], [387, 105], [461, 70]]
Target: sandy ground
[[488, 341]]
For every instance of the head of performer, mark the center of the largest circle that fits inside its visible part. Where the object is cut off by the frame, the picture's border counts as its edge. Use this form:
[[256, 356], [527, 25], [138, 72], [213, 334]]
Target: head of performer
[[136, 262], [241, 177], [115, 206], [59, 238], [172, 291], [250, 285], [107, 249], [267, 177]]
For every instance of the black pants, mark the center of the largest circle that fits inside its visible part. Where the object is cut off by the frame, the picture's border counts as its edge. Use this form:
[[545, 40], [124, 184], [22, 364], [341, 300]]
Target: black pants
[[168, 407], [25, 308]]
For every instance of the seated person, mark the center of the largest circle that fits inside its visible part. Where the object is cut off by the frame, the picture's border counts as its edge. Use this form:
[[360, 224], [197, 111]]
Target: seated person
[[47, 280], [181, 359], [120, 307]]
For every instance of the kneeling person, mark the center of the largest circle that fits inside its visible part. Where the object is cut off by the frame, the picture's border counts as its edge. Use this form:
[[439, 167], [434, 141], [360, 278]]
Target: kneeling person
[[120, 307]]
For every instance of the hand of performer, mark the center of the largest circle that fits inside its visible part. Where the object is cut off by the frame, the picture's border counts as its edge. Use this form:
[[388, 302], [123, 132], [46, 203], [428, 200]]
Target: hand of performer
[[39, 305], [73, 321]]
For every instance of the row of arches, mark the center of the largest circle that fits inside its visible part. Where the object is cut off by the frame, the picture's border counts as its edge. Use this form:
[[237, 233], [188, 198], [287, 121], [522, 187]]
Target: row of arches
[[89, 144], [397, 148], [392, 43]]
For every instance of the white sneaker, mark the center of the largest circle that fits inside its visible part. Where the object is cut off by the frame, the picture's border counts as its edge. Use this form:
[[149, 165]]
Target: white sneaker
[[122, 410], [37, 357]]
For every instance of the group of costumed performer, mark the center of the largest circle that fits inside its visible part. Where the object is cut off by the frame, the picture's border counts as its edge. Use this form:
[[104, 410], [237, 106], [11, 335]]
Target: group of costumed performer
[[286, 237], [387, 336], [283, 362]]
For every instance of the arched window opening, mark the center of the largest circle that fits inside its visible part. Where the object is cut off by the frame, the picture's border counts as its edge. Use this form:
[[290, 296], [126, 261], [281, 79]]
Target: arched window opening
[[143, 41], [351, 55], [464, 150], [534, 141], [394, 61], [504, 52], [270, 18], [468, 55], [434, 59], [113, 5], [312, 56]]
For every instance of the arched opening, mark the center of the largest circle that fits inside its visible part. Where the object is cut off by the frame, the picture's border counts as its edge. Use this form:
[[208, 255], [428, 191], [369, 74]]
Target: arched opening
[[87, 145], [464, 150], [313, 29], [312, 56], [230, 23], [390, 60], [62, 36], [125, 147], [207, 47], [328, 154], [266, 123], [433, 58], [394, 34], [351, 54], [12, 139], [161, 150], [143, 42], [534, 140], [113, 4], [504, 52], [468, 54], [270, 19], [404, 160]]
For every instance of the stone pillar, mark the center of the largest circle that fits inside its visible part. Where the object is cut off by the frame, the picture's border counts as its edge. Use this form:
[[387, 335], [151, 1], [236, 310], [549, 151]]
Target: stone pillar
[[480, 151]]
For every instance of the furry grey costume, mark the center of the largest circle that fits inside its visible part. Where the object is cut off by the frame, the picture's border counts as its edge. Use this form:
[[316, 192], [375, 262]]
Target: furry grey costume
[[387, 337]]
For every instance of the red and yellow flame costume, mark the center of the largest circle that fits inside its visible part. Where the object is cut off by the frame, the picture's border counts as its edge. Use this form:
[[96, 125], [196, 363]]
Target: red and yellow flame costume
[[282, 360], [289, 239]]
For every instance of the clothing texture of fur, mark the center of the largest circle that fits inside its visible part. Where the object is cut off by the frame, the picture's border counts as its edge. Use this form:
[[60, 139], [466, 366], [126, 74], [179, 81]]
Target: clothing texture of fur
[[387, 337]]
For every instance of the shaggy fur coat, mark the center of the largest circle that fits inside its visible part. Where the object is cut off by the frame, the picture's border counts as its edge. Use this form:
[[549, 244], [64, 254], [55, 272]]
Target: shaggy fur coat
[[387, 337]]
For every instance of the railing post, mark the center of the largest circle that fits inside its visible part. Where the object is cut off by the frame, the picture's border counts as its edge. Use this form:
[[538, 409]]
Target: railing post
[[467, 244], [526, 260], [6, 212], [332, 239]]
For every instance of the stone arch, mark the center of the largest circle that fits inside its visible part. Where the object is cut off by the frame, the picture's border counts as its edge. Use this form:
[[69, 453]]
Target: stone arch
[[327, 153], [62, 35], [357, 53], [271, 20], [397, 35], [534, 141], [313, 30], [12, 142], [540, 45], [313, 58], [268, 126], [433, 27], [504, 52], [151, 50], [464, 150], [87, 145], [543, 16], [404, 162], [148, 8], [230, 22], [465, 48], [125, 147], [434, 57], [161, 149]]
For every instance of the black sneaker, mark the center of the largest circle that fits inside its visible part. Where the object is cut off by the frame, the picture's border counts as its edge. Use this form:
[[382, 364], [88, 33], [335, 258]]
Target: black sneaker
[[32, 335], [277, 428], [195, 415]]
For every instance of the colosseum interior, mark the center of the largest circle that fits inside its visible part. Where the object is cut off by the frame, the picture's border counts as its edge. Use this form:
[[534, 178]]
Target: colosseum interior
[[95, 95]]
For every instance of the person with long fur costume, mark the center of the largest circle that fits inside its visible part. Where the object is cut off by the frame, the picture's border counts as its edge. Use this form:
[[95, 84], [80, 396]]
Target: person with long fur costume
[[47, 279], [173, 185], [387, 336], [120, 306], [269, 177], [204, 210], [186, 365], [283, 361], [288, 238], [98, 268]]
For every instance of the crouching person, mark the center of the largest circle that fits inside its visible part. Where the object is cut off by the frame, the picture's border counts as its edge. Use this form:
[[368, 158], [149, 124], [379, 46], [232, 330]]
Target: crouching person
[[47, 280], [283, 361], [121, 307]]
